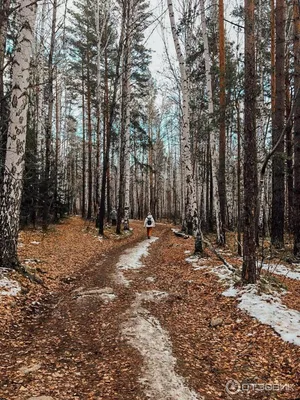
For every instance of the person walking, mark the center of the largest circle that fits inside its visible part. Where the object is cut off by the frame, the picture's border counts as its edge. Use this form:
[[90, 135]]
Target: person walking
[[113, 217], [149, 224]]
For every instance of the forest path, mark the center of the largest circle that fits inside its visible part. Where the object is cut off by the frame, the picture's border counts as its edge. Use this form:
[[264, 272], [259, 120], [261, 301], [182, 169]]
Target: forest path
[[131, 319], [71, 345]]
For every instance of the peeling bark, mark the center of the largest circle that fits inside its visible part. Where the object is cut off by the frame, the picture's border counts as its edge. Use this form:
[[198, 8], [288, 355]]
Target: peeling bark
[[11, 190]]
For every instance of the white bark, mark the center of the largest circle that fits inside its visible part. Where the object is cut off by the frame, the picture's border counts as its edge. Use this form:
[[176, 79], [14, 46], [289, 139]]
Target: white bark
[[11, 191], [127, 87], [213, 137], [190, 194]]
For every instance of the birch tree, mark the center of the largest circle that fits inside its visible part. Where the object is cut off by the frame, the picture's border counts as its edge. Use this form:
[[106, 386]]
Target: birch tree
[[11, 190], [4, 13], [213, 137], [124, 184], [191, 207]]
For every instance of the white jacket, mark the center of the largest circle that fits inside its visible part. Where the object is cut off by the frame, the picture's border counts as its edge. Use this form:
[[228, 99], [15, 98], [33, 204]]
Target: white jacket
[[152, 222]]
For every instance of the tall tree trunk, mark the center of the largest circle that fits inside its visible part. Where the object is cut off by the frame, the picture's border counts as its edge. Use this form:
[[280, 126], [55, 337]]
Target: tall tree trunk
[[11, 189], [212, 146], [278, 162], [99, 32], [296, 213], [222, 138], [107, 132], [289, 150], [239, 222], [250, 153], [90, 147], [112, 110], [191, 214], [48, 122], [57, 147], [124, 198], [83, 209], [4, 13]]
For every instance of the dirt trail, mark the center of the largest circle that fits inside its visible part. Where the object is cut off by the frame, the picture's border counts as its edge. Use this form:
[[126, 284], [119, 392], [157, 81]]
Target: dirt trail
[[70, 345], [114, 329]]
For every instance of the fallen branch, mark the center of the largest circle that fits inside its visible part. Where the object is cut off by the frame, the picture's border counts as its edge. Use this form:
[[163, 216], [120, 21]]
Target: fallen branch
[[180, 234], [211, 248]]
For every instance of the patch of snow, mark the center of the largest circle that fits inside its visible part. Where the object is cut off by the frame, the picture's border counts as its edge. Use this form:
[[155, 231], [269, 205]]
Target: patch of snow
[[222, 272], [192, 259], [8, 287], [187, 252], [131, 259], [198, 267], [150, 279], [269, 310], [35, 242], [230, 292], [145, 333], [282, 270], [105, 294], [120, 279]]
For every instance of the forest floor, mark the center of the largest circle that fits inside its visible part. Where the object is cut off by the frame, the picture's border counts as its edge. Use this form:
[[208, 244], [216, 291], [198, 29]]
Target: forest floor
[[130, 318]]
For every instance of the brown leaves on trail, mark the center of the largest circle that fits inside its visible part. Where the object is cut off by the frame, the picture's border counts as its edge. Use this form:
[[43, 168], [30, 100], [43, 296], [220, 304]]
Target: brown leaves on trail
[[235, 346], [51, 344], [56, 343]]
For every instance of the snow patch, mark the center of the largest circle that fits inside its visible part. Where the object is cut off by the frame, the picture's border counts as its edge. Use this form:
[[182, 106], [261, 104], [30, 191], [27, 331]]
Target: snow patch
[[131, 259], [230, 292], [282, 270], [269, 310], [222, 272], [8, 287], [105, 294], [35, 242], [150, 279], [145, 333], [120, 279]]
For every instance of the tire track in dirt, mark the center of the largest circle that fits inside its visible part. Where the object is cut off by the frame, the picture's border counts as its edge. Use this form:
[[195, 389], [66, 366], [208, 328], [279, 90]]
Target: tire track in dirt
[[144, 332], [72, 344]]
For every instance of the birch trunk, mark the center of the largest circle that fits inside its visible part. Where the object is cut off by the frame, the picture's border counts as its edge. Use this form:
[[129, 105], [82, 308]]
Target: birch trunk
[[124, 188], [3, 103], [213, 135], [222, 121], [127, 95], [191, 215], [11, 190]]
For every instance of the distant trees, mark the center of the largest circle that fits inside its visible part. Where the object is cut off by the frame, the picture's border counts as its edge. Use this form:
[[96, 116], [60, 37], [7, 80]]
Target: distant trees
[[89, 128]]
